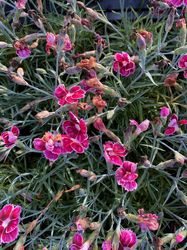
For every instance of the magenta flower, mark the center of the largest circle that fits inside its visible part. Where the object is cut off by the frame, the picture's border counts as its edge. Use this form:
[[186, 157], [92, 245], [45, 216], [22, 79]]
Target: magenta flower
[[20, 4], [142, 127], [113, 152], [182, 63], [70, 96], [10, 137], [124, 64], [23, 53], [147, 221], [78, 241], [164, 112], [173, 125], [9, 222], [128, 239], [51, 145], [75, 128], [176, 3], [71, 144], [126, 176], [107, 245]]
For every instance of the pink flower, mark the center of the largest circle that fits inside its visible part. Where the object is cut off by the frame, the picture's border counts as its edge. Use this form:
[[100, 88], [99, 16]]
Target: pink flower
[[10, 137], [128, 239], [20, 4], [113, 152], [52, 145], [147, 221], [70, 96], [107, 245], [173, 125], [9, 222], [79, 146], [143, 126], [179, 237], [185, 74], [124, 64], [182, 63], [164, 112], [126, 176], [78, 241], [75, 128]]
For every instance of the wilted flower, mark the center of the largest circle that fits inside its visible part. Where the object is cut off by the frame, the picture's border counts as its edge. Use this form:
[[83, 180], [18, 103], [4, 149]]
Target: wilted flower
[[171, 79], [147, 221], [128, 239], [99, 103], [75, 128], [181, 23], [113, 152], [176, 3], [126, 176], [164, 112], [22, 49], [67, 46], [99, 124], [77, 241], [9, 223], [52, 41], [20, 4], [70, 96], [148, 36], [10, 137], [142, 127], [107, 245], [124, 64], [87, 63], [173, 125]]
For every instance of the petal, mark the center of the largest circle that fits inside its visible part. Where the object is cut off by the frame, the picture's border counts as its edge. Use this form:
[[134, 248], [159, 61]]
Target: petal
[[39, 144], [15, 213], [183, 122], [170, 131], [12, 225], [50, 156], [15, 130], [9, 237], [77, 147], [116, 160], [5, 212]]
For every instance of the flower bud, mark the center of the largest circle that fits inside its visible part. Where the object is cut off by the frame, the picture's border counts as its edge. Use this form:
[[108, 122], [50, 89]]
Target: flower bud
[[140, 42], [164, 112], [170, 20], [3, 45], [88, 174], [99, 125]]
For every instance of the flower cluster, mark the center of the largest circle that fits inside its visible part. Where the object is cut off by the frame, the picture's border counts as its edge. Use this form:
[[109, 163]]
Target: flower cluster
[[75, 139]]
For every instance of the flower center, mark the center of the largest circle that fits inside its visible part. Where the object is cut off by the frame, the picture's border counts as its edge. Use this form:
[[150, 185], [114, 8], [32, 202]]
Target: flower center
[[5, 223]]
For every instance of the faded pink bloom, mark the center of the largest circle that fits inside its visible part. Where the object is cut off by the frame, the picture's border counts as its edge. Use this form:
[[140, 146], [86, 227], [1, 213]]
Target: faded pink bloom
[[99, 125], [10, 137], [70, 96], [51, 41], [107, 245], [9, 223], [75, 128], [173, 125], [77, 242], [20, 4], [164, 112], [181, 23], [52, 145], [124, 64], [147, 221], [179, 237], [128, 239], [126, 176], [67, 46], [182, 63], [142, 127], [113, 152]]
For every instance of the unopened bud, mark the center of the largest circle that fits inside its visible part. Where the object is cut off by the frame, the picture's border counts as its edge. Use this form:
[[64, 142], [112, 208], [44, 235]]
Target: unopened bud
[[3, 45], [43, 114], [17, 79], [88, 174]]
